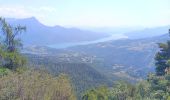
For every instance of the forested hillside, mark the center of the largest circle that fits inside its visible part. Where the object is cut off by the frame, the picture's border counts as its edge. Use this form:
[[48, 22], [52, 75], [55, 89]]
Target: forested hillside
[[87, 69], [82, 75], [124, 58]]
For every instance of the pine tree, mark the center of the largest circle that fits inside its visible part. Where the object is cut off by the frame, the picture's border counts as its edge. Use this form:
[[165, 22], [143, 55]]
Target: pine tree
[[162, 58]]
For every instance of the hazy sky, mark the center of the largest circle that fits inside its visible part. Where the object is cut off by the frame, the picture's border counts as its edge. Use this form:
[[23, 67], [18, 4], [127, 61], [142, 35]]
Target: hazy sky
[[90, 13]]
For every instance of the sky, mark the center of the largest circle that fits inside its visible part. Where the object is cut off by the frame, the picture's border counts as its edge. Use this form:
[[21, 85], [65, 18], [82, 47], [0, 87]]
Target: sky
[[90, 13]]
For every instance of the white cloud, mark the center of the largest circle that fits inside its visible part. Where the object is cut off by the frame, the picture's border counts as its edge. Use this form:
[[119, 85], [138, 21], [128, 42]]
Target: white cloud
[[20, 12], [15, 12], [41, 13]]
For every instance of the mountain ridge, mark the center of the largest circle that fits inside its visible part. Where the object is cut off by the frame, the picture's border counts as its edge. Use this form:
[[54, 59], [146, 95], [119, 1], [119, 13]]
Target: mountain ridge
[[40, 34]]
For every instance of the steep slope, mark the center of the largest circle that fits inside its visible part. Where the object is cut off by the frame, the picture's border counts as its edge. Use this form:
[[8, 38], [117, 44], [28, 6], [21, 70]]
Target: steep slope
[[39, 34]]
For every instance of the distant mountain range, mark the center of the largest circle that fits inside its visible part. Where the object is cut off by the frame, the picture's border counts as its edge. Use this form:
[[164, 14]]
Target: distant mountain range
[[134, 32], [39, 34], [148, 32]]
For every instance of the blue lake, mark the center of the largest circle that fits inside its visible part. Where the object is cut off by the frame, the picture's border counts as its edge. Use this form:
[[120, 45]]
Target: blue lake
[[66, 45]]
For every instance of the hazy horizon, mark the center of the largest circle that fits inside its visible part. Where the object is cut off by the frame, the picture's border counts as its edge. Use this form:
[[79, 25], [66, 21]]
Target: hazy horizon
[[87, 14]]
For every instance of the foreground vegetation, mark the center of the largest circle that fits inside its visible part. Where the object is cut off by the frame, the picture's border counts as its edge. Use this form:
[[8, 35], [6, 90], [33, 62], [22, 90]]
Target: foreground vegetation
[[154, 89], [35, 85], [20, 83]]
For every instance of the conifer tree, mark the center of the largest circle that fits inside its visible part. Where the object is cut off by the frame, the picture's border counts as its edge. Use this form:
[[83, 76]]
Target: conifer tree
[[162, 58]]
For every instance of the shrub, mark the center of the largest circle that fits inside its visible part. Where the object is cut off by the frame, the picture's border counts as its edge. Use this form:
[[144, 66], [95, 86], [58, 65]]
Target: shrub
[[4, 71], [35, 85]]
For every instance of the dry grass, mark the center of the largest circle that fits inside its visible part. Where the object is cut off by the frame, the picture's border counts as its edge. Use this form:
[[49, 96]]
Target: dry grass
[[35, 85]]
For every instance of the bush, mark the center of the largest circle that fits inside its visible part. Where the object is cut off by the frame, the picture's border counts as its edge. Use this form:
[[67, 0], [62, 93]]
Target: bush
[[35, 85], [4, 71]]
